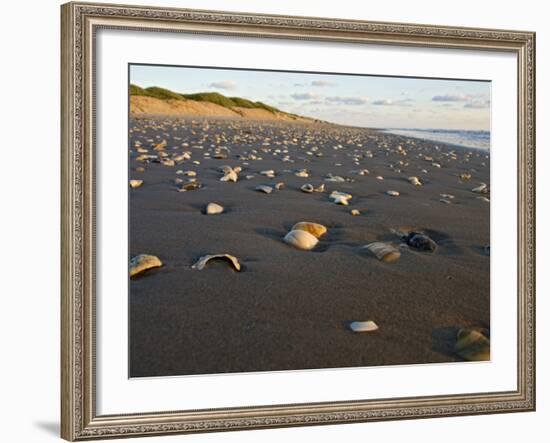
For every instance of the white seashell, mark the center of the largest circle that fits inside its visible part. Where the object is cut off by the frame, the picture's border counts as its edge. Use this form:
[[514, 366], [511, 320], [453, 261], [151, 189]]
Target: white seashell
[[481, 189], [384, 251], [213, 208], [302, 173], [190, 173], [379, 177], [449, 196], [264, 188], [301, 239], [231, 176], [415, 181], [355, 212], [335, 179], [168, 162], [135, 183], [364, 172], [363, 326], [270, 173], [142, 263], [307, 188], [315, 229], [279, 186], [436, 165], [393, 193], [250, 177], [444, 200], [203, 261]]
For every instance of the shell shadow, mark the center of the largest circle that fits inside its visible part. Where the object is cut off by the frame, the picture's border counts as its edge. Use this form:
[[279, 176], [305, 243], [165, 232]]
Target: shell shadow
[[444, 339]]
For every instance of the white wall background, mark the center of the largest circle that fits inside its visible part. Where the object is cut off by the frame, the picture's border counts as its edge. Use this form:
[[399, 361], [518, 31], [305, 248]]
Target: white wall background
[[29, 224]]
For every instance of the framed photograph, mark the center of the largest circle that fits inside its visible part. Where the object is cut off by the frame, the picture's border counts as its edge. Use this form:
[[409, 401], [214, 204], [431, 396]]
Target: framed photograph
[[282, 221]]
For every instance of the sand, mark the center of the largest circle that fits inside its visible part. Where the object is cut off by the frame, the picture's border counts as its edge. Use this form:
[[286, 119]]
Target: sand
[[290, 309]]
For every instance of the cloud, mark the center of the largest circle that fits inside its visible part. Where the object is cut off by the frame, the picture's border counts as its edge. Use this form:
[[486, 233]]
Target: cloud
[[305, 96], [388, 102], [225, 84], [451, 98], [322, 83], [477, 104], [338, 100]]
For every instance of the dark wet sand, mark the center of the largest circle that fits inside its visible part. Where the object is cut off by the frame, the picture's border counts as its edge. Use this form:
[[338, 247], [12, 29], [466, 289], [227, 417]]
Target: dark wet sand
[[289, 309]]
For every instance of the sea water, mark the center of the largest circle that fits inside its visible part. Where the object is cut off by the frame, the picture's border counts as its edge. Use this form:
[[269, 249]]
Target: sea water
[[467, 139]]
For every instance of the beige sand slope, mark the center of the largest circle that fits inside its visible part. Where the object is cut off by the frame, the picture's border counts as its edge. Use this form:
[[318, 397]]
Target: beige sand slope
[[143, 105]]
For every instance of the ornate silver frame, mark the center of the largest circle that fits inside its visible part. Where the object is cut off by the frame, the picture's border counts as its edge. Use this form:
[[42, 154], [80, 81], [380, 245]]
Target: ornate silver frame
[[79, 420]]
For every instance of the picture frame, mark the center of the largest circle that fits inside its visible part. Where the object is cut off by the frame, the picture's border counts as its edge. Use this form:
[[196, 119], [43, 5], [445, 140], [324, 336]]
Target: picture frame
[[79, 396]]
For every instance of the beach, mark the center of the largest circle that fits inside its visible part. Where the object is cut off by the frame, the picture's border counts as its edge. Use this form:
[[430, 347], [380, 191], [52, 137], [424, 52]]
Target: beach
[[290, 309]]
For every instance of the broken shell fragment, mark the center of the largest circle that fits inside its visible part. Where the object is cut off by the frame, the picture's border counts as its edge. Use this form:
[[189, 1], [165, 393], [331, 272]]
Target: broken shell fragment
[[315, 229], [230, 176], [415, 181], [135, 183], [302, 173], [340, 198], [264, 188], [473, 345], [481, 189], [213, 208], [190, 187], [307, 188], [355, 212], [143, 262], [421, 241], [301, 239], [363, 326], [465, 176], [393, 193], [203, 261], [279, 186], [384, 251]]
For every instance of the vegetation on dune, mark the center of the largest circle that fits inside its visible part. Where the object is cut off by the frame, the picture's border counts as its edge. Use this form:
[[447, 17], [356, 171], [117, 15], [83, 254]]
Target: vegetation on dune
[[211, 97]]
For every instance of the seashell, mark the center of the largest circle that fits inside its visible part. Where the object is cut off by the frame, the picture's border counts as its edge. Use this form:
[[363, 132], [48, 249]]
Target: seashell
[[473, 345], [190, 187], [270, 173], [213, 208], [449, 196], [384, 251], [178, 181], [315, 229], [168, 162], [302, 173], [231, 176], [436, 165], [320, 188], [444, 200], [465, 176], [355, 212], [415, 181], [419, 240], [135, 183], [485, 199], [393, 193], [364, 172], [335, 179], [264, 188], [279, 186], [379, 177], [237, 169], [143, 262], [481, 189], [363, 326], [203, 261], [160, 146], [189, 173], [140, 169], [340, 198], [301, 239], [249, 177], [307, 188]]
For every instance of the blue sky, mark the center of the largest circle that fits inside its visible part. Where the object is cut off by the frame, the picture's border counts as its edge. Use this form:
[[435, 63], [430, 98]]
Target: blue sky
[[368, 101]]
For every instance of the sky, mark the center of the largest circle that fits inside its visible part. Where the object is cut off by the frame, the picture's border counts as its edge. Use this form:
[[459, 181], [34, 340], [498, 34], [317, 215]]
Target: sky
[[358, 100]]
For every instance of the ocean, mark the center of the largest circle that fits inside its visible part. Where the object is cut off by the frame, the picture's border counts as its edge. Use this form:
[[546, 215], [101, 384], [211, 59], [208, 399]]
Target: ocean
[[467, 139]]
